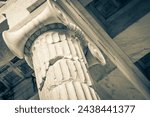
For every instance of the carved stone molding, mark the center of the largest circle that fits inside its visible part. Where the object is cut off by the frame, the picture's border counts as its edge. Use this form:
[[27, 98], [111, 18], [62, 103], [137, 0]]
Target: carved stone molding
[[16, 39], [53, 47]]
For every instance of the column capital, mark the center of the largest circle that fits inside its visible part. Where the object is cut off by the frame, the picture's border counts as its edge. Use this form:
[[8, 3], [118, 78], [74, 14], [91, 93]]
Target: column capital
[[20, 40], [48, 19]]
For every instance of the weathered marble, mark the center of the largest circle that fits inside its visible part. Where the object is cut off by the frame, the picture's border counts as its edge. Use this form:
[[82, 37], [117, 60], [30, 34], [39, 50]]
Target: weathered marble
[[111, 49], [118, 87], [60, 68], [135, 40], [113, 86], [98, 71]]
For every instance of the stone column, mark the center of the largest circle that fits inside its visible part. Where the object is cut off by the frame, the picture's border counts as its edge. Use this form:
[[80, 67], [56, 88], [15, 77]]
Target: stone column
[[60, 67], [54, 49]]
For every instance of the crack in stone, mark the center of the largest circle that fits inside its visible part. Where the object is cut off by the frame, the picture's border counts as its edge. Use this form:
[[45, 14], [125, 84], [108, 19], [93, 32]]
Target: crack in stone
[[52, 62], [42, 83], [60, 83]]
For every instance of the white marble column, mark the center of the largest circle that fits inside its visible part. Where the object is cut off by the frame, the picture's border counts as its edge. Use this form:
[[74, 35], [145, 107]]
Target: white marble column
[[60, 67], [50, 44]]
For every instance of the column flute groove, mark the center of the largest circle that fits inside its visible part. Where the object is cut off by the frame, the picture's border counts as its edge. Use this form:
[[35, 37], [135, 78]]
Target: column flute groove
[[54, 48]]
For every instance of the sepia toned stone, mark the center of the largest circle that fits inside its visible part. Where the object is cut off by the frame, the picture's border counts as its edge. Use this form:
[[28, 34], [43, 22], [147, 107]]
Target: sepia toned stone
[[67, 76]]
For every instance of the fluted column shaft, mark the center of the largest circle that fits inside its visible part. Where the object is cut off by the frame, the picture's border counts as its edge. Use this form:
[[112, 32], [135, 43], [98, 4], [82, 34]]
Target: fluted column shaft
[[60, 67]]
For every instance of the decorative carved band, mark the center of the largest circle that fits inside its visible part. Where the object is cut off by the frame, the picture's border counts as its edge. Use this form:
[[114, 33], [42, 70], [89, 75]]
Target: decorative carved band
[[73, 29], [54, 47], [40, 31], [51, 18]]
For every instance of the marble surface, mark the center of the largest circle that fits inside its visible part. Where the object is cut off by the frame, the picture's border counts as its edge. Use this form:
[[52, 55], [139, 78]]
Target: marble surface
[[135, 40], [118, 87], [98, 71]]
